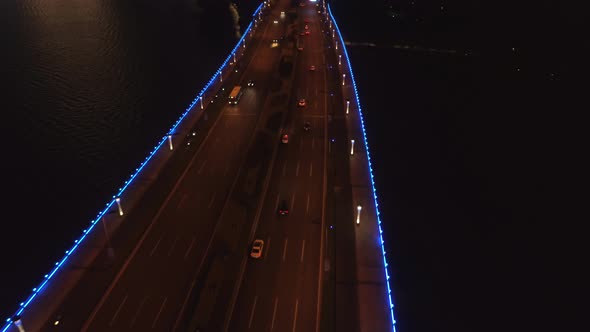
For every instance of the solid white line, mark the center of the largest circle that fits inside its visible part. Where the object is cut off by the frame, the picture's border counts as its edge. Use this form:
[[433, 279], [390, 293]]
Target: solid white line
[[274, 311], [190, 247], [159, 312], [307, 208], [302, 251], [212, 199], [252, 313], [118, 309], [173, 245], [202, 165], [310, 169], [137, 312], [295, 317], [285, 249], [297, 170], [155, 247]]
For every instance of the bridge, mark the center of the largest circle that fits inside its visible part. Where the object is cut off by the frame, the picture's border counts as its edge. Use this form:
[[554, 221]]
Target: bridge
[[288, 165]]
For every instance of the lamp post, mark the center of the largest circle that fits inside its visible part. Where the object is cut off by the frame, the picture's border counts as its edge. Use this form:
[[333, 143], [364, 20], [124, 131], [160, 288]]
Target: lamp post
[[351, 147], [170, 142], [118, 200], [358, 214], [16, 320], [343, 79], [347, 105], [339, 59], [201, 102]]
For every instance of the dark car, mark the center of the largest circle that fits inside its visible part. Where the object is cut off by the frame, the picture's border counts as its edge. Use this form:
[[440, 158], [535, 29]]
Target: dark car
[[251, 83], [283, 208]]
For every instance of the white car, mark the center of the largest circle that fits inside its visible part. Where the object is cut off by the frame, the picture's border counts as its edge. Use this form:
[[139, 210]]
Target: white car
[[285, 138], [257, 246]]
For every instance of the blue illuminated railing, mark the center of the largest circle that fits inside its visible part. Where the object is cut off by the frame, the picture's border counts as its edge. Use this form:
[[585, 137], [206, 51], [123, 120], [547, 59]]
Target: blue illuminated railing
[[369, 160], [85, 232]]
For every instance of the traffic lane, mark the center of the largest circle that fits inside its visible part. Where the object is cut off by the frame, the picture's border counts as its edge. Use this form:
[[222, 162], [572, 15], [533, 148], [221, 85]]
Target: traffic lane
[[158, 248]]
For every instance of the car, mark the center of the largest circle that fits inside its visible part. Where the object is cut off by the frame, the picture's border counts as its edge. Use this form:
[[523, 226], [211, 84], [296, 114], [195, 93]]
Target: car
[[283, 208], [307, 32], [312, 68], [307, 126], [300, 48], [275, 21], [301, 102], [306, 27], [250, 83], [256, 250], [285, 138]]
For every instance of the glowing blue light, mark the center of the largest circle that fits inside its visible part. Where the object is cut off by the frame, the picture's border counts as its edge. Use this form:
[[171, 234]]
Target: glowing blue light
[[368, 159], [138, 170]]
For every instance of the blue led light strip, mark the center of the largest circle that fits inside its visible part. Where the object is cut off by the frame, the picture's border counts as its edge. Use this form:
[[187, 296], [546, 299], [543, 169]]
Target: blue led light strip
[[85, 232], [369, 160]]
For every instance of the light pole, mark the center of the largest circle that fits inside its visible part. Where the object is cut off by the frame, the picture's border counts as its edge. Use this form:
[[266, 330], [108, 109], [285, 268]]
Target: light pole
[[351, 147], [118, 200], [339, 59], [201, 102], [234, 57], [170, 142], [358, 214], [343, 79], [347, 105], [18, 323]]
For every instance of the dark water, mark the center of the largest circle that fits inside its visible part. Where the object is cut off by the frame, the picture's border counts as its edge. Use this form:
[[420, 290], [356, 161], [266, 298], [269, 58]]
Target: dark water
[[462, 145]]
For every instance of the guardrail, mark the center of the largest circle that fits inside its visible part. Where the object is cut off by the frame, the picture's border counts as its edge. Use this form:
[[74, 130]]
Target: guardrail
[[116, 198], [339, 42]]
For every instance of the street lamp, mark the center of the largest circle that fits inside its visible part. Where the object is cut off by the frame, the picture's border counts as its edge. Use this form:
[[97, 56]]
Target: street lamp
[[170, 142], [347, 105], [351, 147], [339, 59], [18, 323], [358, 214], [343, 78], [118, 200], [201, 102], [234, 57]]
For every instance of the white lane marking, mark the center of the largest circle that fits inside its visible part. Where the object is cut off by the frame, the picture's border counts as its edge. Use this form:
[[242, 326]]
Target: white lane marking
[[181, 201], [297, 170], [190, 247], [274, 311], [295, 317], [302, 251], [312, 142], [252, 313], [159, 312], [155, 247], [307, 208], [310, 169], [292, 202], [137, 312], [118, 309], [285, 249], [202, 165], [284, 169], [212, 199], [173, 245]]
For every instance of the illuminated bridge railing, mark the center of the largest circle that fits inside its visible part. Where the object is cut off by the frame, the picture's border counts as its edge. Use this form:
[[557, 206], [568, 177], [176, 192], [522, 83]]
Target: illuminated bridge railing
[[240, 45], [339, 41]]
